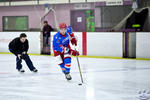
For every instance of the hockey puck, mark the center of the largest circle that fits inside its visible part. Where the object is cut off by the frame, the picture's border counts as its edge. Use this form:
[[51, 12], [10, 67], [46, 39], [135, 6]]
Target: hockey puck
[[79, 84]]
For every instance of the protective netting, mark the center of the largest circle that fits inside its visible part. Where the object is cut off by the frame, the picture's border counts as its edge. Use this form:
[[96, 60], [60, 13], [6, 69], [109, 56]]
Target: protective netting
[[137, 19]]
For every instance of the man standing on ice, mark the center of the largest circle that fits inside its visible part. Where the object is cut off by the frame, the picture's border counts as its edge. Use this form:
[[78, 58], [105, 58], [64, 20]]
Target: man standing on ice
[[62, 49], [19, 47]]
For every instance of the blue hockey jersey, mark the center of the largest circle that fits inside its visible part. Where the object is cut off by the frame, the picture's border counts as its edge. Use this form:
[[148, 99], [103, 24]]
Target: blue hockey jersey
[[60, 42]]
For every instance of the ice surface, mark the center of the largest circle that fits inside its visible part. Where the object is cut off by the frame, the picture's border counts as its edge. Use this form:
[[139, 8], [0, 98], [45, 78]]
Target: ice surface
[[104, 79]]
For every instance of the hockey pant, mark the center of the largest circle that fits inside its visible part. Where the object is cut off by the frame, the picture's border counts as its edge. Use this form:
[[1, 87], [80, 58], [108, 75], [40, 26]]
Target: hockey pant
[[64, 61]]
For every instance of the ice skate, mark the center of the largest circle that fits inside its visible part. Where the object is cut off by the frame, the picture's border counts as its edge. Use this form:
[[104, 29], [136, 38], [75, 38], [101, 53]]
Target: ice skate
[[35, 70], [68, 76], [21, 70]]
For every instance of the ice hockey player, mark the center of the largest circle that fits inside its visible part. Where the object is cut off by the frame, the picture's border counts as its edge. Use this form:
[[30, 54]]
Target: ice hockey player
[[19, 47], [62, 49]]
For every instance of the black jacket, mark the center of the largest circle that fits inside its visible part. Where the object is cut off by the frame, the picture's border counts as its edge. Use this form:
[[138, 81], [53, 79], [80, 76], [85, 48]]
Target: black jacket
[[47, 29], [17, 47]]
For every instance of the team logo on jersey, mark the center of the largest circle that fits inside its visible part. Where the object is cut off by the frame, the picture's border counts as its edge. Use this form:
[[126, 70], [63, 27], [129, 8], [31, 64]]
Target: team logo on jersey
[[66, 39]]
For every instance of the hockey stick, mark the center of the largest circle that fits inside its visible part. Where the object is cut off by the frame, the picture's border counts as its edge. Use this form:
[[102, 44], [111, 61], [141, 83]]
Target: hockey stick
[[79, 68], [78, 63]]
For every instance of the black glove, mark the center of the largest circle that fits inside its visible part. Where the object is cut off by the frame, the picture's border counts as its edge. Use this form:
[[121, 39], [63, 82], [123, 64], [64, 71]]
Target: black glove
[[23, 56]]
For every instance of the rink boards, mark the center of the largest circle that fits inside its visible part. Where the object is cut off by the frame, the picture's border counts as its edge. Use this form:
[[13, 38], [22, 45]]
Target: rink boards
[[107, 44]]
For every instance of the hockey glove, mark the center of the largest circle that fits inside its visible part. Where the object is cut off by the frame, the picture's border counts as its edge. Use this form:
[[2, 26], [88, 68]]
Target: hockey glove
[[74, 52], [74, 41]]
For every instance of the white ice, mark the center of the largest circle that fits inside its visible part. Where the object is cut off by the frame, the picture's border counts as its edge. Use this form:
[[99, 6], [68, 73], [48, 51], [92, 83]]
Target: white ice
[[104, 79]]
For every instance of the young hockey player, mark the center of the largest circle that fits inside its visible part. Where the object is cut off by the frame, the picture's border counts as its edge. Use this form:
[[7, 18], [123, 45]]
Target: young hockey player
[[62, 49], [19, 46]]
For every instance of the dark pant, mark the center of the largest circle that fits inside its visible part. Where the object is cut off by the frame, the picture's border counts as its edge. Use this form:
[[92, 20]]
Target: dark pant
[[46, 39], [27, 60]]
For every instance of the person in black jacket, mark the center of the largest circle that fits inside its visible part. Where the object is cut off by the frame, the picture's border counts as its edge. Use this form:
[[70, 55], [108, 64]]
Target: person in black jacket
[[46, 31], [19, 47]]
